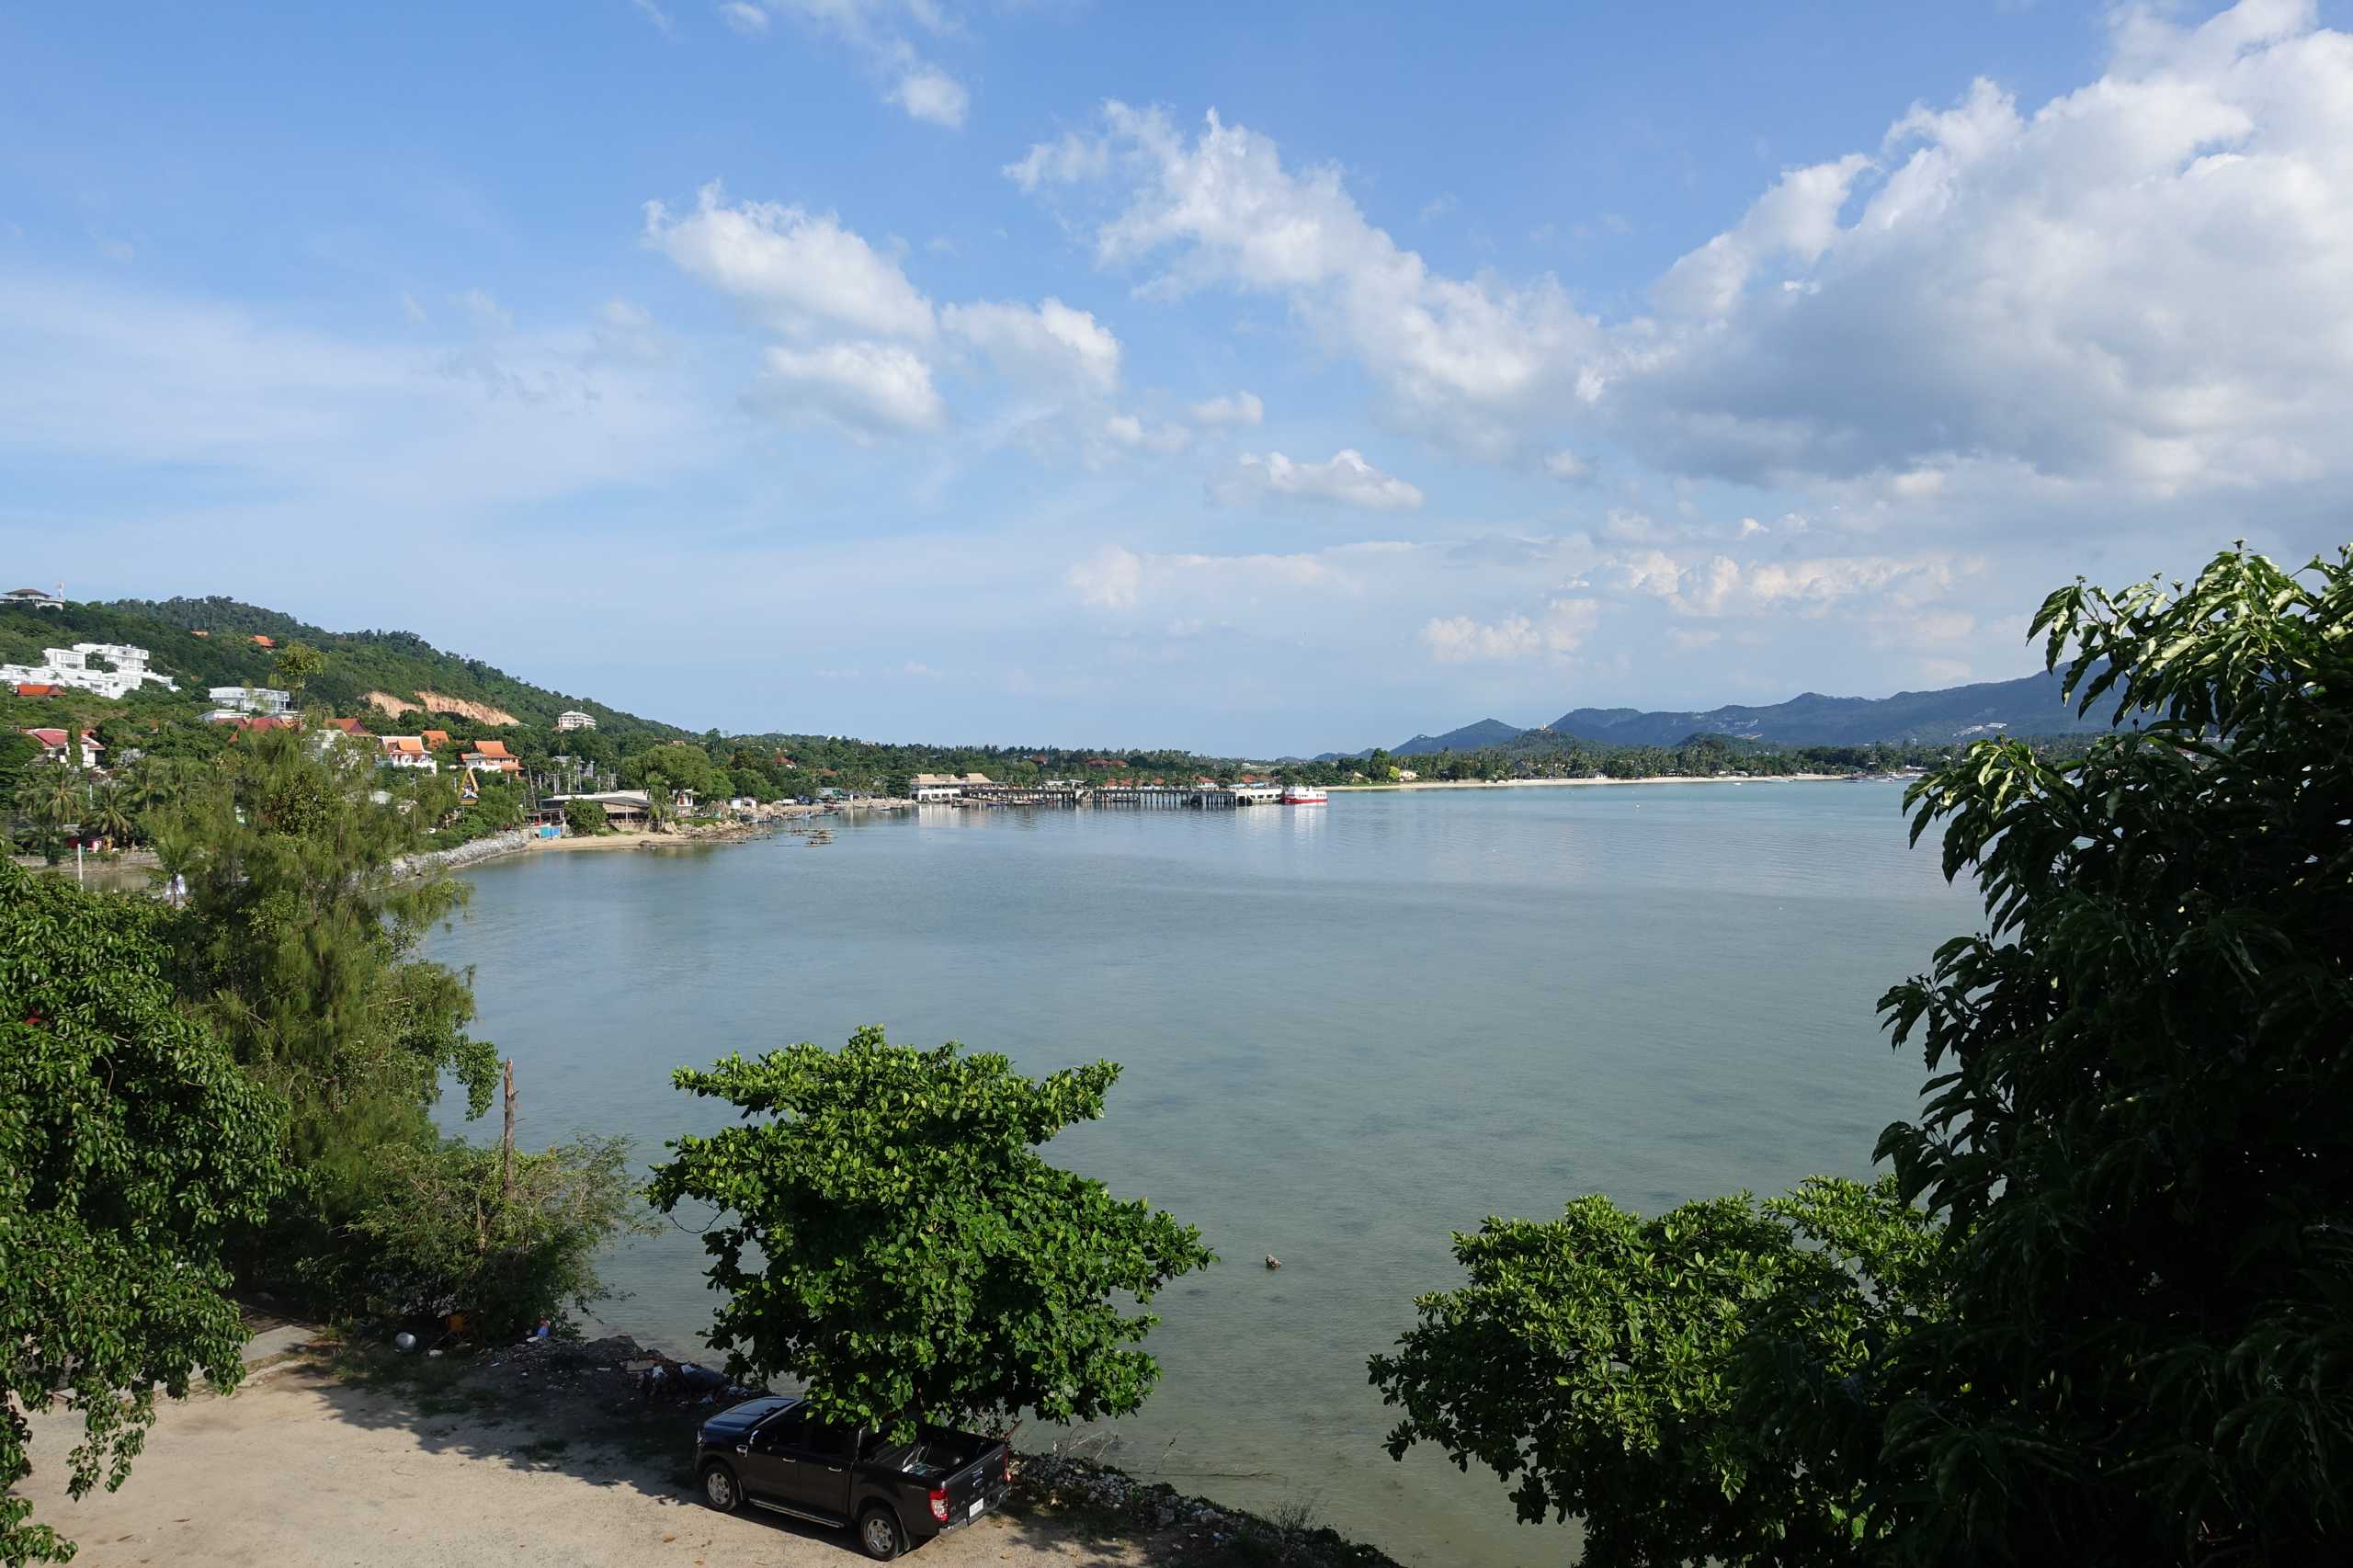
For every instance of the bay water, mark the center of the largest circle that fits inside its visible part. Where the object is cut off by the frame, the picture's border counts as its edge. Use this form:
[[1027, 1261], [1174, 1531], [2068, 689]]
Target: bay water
[[1347, 1030]]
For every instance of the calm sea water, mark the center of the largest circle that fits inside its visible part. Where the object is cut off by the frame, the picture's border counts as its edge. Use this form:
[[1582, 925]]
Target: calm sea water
[[1347, 1030]]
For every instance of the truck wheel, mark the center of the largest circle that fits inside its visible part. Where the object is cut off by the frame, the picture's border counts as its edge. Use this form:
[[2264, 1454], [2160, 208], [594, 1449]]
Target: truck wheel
[[718, 1488], [879, 1534]]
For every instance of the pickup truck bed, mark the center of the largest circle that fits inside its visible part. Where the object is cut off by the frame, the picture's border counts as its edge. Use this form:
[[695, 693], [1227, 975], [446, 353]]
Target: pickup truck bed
[[771, 1453]]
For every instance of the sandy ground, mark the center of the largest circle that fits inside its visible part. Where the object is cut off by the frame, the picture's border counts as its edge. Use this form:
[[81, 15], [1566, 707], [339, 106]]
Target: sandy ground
[[299, 1468]]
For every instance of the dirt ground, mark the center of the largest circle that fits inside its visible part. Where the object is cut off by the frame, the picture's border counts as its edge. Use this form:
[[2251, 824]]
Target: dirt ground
[[313, 1463]]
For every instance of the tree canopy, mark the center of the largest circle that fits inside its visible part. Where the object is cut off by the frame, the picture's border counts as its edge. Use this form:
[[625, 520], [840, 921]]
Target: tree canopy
[[131, 1149], [2101, 1311], [916, 1257]]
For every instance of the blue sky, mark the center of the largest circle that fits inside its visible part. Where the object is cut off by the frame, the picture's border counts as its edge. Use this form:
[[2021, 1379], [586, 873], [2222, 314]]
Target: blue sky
[[1242, 378]]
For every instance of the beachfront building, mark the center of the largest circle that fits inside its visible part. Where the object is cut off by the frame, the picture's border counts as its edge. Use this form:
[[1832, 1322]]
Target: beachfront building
[[34, 598], [112, 670], [491, 756], [57, 745], [250, 700], [408, 752], [944, 786], [575, 719], [623, 808]]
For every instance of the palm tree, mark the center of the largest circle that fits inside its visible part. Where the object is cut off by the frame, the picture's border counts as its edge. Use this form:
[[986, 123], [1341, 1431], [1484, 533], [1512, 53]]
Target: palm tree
[[109, 814], [50, 798], [660, 809]]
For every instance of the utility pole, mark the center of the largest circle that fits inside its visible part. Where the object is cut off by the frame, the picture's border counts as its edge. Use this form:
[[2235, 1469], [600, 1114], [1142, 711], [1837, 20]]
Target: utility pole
[[506, 1141]]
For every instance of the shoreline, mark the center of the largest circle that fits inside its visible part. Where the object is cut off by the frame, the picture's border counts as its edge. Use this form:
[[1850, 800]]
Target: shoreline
[[1555, 783]]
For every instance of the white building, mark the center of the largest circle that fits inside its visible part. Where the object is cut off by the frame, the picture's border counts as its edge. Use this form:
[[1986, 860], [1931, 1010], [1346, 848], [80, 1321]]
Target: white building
[[407, 751], [124, 670], [575, 719], [944, 786], [34, 598], [264, 700]]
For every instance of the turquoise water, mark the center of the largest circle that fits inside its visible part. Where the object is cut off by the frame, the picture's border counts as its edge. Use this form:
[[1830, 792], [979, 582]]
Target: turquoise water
[[1346, 1030]]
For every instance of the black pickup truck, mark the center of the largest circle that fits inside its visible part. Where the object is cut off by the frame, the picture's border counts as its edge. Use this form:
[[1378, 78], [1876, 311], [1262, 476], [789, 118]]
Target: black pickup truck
[[772, 1453]]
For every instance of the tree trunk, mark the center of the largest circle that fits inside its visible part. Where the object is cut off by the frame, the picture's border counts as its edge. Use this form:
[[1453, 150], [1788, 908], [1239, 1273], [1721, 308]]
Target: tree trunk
[[506, 1142]]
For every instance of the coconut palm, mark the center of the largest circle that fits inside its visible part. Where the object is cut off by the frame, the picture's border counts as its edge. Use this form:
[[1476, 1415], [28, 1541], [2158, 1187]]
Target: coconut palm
[[50, 798], [110, 814]]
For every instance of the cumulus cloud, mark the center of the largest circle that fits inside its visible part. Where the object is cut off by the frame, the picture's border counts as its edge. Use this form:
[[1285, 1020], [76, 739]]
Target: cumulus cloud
[[1127, 430], [1567, 467], [1561, 629], [1234, 408], [1049, 343], [1347, 480], [1719, 584], [1221, 209], [798, 270], [867, 388], [881, 34], [2147, 281], [931, 95]]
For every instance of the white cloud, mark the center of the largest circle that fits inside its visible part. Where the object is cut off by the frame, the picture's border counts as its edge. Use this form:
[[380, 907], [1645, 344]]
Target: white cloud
[[1048, 343], [1222, 209], [800, 271], [1346, 480], [878, 33], [931, 95], [865, 387], [1567, 467], [486, 312], [1111, 580], [654, 14], [2146, 282], [1561, 629], [1719, 584], [744, 17], [1234, 408], [1127, 430]]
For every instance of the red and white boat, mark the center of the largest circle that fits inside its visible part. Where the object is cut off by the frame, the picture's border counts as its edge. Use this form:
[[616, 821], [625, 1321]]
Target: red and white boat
[[1304, 795]]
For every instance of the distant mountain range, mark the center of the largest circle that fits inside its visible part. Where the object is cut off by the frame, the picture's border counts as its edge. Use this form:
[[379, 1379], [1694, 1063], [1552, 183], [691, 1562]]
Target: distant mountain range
[[2029, 706]]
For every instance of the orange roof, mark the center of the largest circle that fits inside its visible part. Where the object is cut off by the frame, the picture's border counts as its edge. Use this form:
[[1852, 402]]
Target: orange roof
[[261, 641], [408, 744], [348, 726], [50, 739], [436, 737], [490, 749], [35, 688]]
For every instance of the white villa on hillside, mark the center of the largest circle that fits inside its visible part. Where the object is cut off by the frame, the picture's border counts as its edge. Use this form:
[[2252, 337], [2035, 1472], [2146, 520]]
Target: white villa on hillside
[[127, 670], [575, 719], [250, 698], [34, 598], [407, 751]]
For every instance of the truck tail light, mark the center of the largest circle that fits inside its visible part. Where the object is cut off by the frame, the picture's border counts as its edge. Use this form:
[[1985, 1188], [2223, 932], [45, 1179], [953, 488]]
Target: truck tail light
[[940, 1505]]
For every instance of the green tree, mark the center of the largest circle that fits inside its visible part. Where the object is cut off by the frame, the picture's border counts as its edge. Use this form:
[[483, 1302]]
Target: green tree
[[130, 1145], [50, 797], [294, 666], [506, 1241], [298, 943], [1380, 766], [2120, 1329], [1592, 1361], [585, 818], [892, 1237], [108, 813]]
